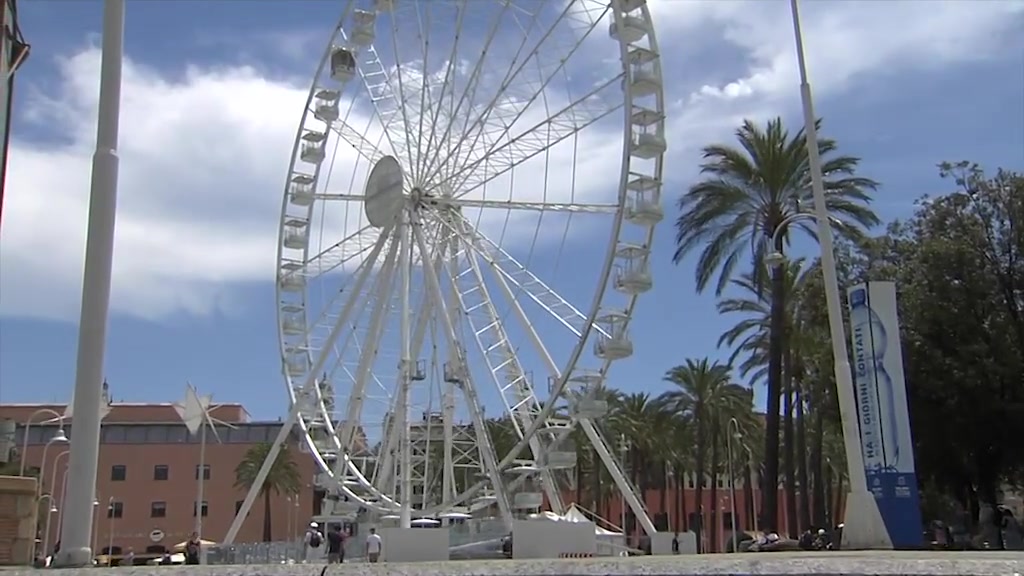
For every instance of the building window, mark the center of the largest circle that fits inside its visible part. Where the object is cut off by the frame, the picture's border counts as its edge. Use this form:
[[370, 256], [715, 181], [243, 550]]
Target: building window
[[118, 473], [206, 472], [158, 510], [205, 509], [160, 472], [115, 510]]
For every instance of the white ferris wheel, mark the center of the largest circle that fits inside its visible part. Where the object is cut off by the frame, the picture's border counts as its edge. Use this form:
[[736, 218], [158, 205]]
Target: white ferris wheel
[[438, 185]]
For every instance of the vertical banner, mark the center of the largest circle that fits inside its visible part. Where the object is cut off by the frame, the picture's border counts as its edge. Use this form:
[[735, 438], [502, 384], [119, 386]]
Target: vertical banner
[[881, 393]]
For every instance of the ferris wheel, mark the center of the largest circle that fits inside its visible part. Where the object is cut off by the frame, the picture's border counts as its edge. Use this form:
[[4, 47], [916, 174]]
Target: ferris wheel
[[467, 220]]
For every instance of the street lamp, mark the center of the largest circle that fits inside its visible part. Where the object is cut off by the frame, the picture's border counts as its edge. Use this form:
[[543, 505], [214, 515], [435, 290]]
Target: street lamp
[[94, 529], [110, 536], [865, 528], [732, 431], [28, 426], [753, 484], [64, 484], [46, 536], [58, 437]]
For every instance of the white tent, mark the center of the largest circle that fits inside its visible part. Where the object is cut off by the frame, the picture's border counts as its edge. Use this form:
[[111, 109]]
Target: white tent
[[573, 514]]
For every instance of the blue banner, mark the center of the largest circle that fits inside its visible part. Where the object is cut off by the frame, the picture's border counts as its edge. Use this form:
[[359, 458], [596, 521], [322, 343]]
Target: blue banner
[[882, 411]]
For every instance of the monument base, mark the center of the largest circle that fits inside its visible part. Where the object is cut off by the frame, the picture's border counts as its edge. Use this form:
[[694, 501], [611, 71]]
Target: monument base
[[863, 528], [73, 558]]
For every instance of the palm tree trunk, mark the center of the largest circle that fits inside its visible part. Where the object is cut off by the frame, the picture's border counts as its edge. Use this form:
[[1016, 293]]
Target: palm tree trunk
[[596, 496], [715, 516], [701, 474], [801, 450], [748, 497], [827, 494], [663, 497], [776, 340], [818, 469], [683, 512], [837, 510], [789, 449], [680, 507], [268, 534]]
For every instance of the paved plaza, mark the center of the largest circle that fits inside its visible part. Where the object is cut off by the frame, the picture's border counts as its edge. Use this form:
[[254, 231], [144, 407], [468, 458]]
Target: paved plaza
[[826, 563]]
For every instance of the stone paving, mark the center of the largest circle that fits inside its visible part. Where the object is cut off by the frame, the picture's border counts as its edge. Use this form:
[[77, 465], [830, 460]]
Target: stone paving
[[763, 564]]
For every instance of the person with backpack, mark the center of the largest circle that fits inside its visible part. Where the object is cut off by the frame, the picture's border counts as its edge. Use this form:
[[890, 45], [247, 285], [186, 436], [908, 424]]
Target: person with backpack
[[312, 541]]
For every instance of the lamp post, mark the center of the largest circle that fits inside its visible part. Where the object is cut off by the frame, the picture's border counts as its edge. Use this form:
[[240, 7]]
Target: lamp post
[[46, 533], [28, 426], [864, 526], [110, 535], [733, 431], [63, 485], [93, 529], [750, 479], [92, 328]]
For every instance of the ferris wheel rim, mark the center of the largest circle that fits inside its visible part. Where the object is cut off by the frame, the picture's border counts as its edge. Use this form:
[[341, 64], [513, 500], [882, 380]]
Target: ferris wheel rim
[[567, 367]]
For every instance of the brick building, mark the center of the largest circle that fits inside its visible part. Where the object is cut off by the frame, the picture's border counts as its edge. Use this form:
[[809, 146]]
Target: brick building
[[148, 467]]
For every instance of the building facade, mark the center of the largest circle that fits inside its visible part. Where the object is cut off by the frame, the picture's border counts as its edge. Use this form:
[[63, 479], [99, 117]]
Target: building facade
[[148, 471]]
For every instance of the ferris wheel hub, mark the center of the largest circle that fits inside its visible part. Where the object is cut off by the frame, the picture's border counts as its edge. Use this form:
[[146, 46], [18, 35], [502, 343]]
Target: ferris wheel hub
[[383, 196]]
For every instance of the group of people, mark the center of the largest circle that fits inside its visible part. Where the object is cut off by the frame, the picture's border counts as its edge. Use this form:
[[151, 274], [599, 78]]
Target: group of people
[[336, 540]]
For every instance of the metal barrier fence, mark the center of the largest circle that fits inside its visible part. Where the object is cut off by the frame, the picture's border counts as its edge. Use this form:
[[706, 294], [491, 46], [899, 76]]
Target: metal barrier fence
[[295, 551]]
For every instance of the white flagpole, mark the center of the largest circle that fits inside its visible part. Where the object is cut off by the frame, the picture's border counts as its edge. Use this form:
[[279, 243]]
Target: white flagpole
[[201, 481]]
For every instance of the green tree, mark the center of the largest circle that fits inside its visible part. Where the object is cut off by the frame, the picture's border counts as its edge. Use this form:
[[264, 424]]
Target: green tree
[[704, 392], [283, 478], [731, 216], [964, 359]]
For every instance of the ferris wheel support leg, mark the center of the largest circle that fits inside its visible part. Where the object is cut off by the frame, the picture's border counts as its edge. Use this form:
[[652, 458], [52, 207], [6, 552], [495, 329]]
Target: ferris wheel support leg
[[385, 466], [473, 402], [631, 497], [355, 402], [405, 262], [261, 476]]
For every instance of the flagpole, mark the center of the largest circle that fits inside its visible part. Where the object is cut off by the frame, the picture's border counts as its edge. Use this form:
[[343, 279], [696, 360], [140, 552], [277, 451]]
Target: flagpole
[[201, 484]]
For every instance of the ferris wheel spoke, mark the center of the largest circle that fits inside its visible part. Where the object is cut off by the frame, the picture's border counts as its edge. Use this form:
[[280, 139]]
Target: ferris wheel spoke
[[473, 401], [525, 281], [337, 197], [589, 208], [377, 317], [387, 104], [500, 158], [334, 256], [371, 152], [497, 108], [407, 133], [468, 96], [424, 163]]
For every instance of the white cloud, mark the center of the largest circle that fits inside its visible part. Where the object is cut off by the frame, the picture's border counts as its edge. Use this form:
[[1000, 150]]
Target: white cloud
[[843, 39], [204, 155], [203, 164]]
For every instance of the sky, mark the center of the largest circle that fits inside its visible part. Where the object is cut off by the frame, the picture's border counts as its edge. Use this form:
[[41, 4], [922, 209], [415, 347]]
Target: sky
[[213, 95]]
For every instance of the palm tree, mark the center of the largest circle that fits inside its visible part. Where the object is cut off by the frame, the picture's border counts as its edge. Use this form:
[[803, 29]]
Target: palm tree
[[283, 478], [704, 392], [631, 418], [732, 214]]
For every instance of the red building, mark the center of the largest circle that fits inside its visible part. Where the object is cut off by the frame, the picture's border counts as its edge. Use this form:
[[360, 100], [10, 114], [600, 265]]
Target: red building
[[148, 467]]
